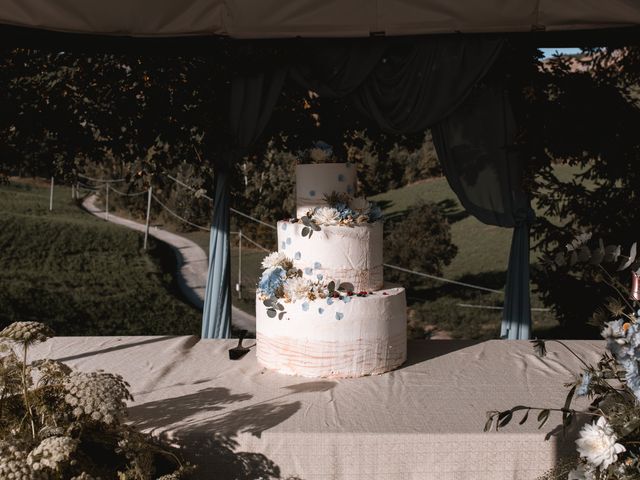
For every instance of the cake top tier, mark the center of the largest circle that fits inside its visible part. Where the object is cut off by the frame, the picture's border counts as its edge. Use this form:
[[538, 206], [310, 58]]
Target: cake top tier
[[316, 180]]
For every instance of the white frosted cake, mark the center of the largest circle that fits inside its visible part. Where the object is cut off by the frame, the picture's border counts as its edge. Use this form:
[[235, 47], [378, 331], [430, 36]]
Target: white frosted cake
[[322, 309]]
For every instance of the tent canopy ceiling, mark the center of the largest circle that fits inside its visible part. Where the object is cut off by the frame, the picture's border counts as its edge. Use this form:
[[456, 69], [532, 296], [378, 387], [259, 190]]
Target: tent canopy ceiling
[[249, 19]]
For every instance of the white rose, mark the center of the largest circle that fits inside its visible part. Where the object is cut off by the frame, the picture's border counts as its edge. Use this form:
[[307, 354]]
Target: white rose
[[276, 259], [326, 216], [297, 288], [597, 444]]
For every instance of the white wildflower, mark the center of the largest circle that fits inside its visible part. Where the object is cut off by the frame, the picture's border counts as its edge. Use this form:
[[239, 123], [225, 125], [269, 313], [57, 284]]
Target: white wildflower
[[51, 453], [597, 444], [360, 205], [13, 464], [277, 259], [582, 472], [100, 396], [326, 216], [297, 288], [27, 332], [84, 476]]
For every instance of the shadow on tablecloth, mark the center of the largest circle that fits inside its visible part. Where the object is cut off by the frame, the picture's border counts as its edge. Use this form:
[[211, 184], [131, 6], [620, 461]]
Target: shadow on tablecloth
[[207, 426]]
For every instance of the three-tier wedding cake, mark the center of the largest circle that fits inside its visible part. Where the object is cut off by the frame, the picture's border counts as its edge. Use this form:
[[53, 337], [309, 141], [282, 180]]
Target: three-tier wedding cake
[[322, 309]]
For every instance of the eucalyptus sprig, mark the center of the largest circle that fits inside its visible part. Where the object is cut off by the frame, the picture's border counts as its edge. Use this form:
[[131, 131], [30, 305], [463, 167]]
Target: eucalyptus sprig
[[309, 226]]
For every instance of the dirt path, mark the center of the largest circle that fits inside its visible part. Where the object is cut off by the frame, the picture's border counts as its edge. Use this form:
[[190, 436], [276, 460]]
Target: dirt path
[[192, 262]]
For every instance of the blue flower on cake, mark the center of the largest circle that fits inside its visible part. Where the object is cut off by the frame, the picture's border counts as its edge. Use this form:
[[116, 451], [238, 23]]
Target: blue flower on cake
[[272, 281]]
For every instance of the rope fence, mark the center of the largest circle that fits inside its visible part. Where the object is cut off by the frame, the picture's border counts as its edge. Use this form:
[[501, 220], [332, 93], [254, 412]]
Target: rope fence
[[102, 180], [178, 216], [241, 236], [493, 307], [135, 194]]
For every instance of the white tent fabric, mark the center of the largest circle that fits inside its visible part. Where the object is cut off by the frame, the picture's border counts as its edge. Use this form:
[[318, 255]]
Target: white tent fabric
[[314, 18]]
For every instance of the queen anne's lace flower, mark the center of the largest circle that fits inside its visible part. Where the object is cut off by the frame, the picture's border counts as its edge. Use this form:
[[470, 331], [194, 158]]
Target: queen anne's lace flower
[[97, 395], [13, 464], [51, 453], [597, 444], [326, 216], [277, 259], [27, 332]]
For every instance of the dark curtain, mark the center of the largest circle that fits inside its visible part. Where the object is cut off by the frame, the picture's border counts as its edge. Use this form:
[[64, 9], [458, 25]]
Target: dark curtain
[[474, 147], [253, 98]]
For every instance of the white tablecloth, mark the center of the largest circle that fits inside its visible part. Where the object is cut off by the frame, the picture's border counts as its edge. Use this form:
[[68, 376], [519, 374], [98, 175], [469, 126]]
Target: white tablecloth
[[423, 421]]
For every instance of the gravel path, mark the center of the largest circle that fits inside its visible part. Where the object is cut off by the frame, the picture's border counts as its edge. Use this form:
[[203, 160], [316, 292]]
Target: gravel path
[[192, 262]]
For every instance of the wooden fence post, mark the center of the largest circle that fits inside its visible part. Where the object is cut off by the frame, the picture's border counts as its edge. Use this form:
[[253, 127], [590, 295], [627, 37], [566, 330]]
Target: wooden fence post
[[146, 231]]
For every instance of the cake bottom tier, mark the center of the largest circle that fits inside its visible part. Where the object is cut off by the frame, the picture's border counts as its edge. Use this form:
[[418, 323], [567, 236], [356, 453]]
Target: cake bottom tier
[[336, 338]]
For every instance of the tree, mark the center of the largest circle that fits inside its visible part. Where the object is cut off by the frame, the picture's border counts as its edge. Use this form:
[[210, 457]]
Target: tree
[[420, 240], [585, 113]]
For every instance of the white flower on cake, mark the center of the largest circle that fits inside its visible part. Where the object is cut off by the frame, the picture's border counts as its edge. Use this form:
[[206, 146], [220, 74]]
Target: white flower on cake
[[297, 288], [318, 154], [277, 259], [326, 216], [360, 205], [597, 444], [582, 472]]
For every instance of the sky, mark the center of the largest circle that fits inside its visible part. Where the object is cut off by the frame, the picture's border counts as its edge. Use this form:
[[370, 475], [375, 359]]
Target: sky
[[549, 52]]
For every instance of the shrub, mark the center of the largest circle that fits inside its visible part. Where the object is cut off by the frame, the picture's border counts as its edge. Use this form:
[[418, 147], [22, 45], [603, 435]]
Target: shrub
[[420, 240]]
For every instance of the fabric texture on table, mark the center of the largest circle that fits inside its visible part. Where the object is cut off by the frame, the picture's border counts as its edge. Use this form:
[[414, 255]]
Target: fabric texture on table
[[422, 421]]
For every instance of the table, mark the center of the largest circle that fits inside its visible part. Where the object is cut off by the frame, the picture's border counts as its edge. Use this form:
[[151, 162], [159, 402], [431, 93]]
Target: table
[[422, 421]]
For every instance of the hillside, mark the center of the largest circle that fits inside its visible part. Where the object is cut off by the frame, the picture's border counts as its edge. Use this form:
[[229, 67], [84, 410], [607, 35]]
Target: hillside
[[81, 275]]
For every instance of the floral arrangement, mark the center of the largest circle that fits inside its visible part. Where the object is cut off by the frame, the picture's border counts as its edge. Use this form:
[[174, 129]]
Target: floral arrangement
[[342, 209], [281, 281], [608, 446], [57, 423], [320, 152]]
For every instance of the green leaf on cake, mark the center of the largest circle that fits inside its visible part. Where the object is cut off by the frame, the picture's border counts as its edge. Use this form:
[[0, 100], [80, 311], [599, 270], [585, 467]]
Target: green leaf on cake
[[305, 231], [271, 312], [280, 307], [281, 315]]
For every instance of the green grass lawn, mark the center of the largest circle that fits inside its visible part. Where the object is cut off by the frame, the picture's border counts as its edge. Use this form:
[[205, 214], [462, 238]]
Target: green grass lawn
[[81, 275]]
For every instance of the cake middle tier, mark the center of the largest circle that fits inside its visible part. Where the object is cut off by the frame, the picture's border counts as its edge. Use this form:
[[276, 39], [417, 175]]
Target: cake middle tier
[[351, 255]]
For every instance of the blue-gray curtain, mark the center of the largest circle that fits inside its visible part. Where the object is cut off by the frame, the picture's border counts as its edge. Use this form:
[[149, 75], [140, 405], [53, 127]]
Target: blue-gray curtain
[[474, 145], [253, 98], [216, 315]]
